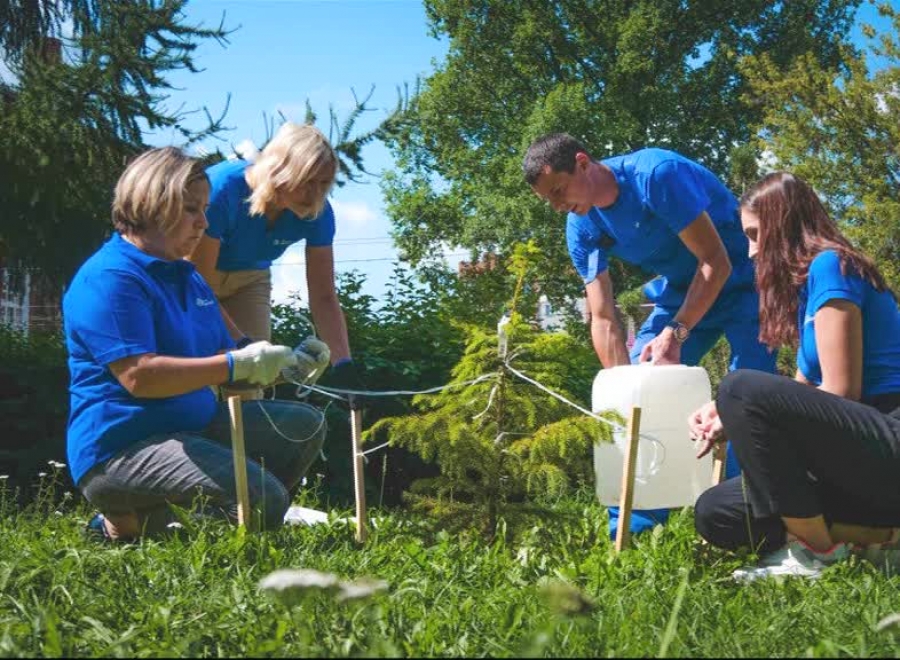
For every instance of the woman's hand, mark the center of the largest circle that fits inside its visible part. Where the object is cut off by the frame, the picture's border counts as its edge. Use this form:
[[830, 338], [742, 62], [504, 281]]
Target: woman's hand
[[706, 426]]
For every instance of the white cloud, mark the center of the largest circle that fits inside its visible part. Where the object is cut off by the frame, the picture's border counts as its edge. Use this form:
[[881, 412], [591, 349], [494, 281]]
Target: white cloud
[[246, 149], [289, 275], [355, 213]]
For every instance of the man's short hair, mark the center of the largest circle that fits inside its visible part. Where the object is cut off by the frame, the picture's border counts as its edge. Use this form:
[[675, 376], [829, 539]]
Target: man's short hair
[[556, 150]]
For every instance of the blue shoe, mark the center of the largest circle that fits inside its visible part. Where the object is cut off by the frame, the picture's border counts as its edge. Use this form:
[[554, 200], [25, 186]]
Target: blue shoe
[[96, 529], [641, 520]]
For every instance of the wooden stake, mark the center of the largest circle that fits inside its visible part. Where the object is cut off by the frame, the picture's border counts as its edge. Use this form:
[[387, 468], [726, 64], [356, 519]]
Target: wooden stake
[[720, 454], [358, 474], [240, 461], [623, 533]]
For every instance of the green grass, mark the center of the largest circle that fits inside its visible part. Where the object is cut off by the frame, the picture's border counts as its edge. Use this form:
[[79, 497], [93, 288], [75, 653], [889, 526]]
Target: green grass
[[449, 594]]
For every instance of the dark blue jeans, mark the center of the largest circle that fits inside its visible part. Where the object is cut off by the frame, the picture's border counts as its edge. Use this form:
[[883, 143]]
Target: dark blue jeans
[[282, 439], [746, 353], [804, 453]]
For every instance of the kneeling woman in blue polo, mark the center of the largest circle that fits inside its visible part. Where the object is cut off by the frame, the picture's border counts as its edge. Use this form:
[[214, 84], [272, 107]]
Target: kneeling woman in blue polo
[[820, 453], [147, 345]]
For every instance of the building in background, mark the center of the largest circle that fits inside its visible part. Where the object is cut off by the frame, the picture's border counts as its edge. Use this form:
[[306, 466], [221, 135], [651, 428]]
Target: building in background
[[28, 303]]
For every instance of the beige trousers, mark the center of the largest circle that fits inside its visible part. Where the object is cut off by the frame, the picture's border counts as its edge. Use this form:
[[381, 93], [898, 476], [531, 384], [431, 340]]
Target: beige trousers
[[247, 297]]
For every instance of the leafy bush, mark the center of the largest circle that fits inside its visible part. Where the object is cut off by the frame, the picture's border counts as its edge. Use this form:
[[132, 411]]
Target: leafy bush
[[34, 403], [406, 344]]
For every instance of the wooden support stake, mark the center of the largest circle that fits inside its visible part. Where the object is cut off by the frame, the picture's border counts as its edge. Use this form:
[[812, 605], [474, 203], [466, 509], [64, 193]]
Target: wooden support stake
[[240, 461], [623, 533], [719, 454], [358, 474]]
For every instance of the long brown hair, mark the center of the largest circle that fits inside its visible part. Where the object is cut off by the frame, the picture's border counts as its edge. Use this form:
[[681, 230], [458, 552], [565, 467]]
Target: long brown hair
[[794, 228]]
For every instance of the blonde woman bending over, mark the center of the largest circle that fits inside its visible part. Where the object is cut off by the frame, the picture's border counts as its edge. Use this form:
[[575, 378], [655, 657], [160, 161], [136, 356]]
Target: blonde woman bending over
[[256, 211]]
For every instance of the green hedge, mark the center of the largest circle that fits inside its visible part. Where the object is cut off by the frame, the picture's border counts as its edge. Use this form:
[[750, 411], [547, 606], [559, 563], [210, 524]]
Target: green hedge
[[34, 405]]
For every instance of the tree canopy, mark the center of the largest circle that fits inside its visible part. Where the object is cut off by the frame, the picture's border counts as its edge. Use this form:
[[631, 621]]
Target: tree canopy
[[69, 123], [837, 126], [617, 74]]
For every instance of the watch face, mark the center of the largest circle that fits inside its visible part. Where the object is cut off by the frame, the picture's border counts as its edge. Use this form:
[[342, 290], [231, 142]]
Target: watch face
[[680, 331]]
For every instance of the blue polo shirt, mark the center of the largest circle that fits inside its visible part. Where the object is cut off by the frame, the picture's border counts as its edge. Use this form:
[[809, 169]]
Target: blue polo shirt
[[660, 194], [246, 241], [123, 302], [880, 324]]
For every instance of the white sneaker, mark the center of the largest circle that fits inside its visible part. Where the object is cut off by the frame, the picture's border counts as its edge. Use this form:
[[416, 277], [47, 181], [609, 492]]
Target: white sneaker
[[794, 559], [884, 556]]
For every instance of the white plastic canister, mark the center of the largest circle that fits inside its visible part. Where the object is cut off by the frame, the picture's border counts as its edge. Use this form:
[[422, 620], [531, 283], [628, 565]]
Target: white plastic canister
[[668, 473]]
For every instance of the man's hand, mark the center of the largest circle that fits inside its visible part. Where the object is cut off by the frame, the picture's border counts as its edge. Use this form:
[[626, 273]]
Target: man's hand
[[706, 427], [662, 349]]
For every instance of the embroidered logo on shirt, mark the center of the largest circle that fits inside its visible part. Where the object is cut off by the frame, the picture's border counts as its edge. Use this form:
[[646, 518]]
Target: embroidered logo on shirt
[[282, 241], [205, 302]]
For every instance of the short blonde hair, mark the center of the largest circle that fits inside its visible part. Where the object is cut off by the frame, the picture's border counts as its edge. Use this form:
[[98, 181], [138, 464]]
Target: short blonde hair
[[297, 155], [151, 191]]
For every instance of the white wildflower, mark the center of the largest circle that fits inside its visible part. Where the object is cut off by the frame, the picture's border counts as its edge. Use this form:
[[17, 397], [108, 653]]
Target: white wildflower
[[887, 622], [362, 588], [292, 585], [298, 582]]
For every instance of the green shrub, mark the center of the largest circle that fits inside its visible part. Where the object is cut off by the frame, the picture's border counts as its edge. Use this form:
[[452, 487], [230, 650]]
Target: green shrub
[[34, 404]]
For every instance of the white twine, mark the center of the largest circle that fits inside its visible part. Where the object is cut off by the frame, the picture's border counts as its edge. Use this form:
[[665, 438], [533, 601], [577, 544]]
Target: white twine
[[278, 431], [613, 425], [333, 391], [365, 454]]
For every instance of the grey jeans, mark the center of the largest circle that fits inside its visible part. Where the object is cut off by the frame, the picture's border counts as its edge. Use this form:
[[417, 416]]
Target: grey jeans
[[282, 439]]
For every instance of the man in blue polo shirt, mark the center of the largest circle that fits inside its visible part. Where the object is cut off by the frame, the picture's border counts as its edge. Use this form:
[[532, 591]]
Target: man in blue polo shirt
[[674, 218]]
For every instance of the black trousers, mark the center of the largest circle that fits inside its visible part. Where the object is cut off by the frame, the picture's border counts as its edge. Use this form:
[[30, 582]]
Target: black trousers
[[803, 453]]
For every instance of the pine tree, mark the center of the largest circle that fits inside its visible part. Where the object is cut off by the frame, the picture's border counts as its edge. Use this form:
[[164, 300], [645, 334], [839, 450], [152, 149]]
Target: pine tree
[[496, 438], [68, 124]]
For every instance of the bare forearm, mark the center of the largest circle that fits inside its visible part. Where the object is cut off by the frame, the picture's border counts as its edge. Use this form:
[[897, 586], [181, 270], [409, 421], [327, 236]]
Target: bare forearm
[[162, 376], [703, 291], [331, 326], [609, 342]]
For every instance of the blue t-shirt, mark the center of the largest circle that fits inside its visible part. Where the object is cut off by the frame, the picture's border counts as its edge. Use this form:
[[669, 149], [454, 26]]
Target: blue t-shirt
[[880, 324], [660, 194], [123, 302], [246, 241]]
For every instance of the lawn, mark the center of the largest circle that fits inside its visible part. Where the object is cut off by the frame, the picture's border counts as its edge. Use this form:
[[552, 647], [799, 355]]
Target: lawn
[[552, 587]]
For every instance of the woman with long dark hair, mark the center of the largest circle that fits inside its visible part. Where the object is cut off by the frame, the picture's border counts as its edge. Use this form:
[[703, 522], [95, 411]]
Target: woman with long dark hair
[[820, 453]]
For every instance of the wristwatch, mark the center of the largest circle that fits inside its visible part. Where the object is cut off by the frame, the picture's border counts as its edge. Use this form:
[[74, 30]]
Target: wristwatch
[[680, 330]]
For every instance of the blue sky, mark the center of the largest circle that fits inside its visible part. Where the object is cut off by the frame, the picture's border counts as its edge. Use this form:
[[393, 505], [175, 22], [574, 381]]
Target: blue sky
[[284, 52]]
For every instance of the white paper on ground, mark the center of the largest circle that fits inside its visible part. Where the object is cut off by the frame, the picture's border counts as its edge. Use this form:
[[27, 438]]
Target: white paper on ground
[[298, 515]]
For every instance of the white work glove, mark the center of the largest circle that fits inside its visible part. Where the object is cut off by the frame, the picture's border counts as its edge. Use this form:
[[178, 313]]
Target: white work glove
[[260, 363], [313, 357]]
